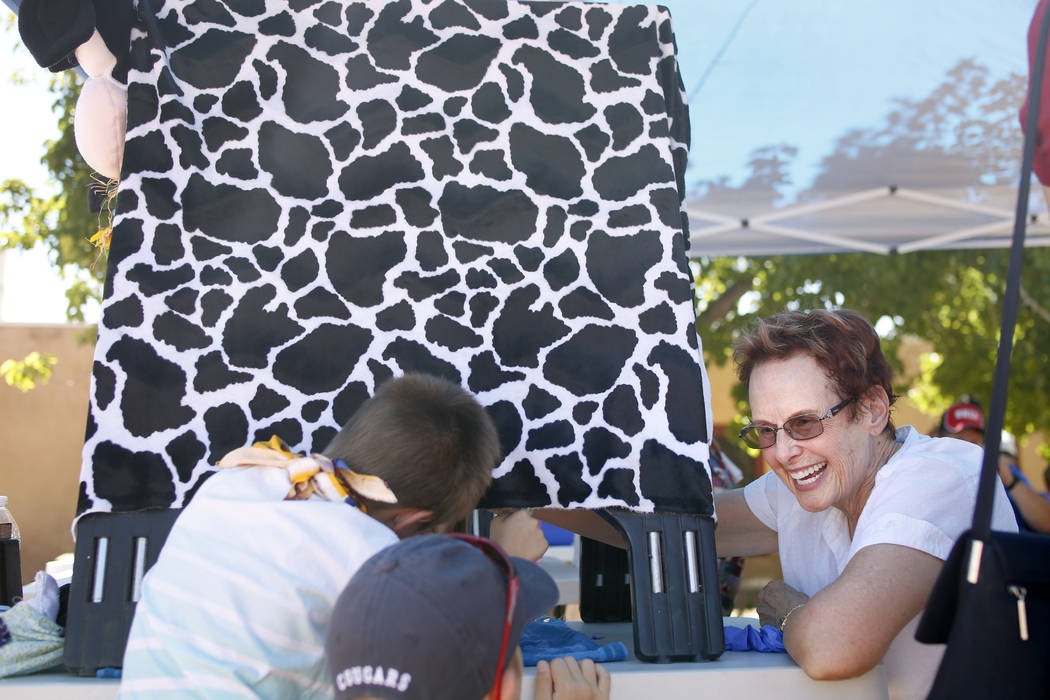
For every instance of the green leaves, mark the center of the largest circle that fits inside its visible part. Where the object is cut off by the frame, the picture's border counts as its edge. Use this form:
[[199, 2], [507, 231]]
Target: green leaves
[[26, 374], [952, 299], [62, 222]]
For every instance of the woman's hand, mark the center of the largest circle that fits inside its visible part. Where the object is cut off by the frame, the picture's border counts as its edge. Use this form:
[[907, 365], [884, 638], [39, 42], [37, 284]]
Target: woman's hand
[[519, 534], [776, 600], [567, 679]]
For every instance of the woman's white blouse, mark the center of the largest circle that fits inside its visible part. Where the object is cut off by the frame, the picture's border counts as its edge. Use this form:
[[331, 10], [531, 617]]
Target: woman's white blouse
[[923, 498]]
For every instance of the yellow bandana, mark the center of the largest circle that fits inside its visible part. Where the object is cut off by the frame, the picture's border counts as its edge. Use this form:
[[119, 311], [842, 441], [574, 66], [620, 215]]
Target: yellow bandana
[[311, 474]]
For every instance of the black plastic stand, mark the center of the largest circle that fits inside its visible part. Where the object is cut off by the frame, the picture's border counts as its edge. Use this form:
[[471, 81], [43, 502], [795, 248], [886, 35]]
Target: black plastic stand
[[674, 585], [10, 572], [113, 552]]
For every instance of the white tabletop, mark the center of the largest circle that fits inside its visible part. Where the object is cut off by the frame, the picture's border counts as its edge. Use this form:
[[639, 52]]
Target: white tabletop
[[736, 674], [58, 685]]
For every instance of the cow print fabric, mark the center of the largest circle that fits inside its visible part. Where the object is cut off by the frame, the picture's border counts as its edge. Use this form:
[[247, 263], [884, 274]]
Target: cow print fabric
[[320, 195]]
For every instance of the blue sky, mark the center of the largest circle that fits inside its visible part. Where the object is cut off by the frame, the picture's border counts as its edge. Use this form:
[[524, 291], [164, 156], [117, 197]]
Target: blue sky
[[804, 72], [757, 71]]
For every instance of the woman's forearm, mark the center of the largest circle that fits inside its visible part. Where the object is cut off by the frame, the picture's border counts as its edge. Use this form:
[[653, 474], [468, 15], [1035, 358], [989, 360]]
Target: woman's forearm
[[845, 629]]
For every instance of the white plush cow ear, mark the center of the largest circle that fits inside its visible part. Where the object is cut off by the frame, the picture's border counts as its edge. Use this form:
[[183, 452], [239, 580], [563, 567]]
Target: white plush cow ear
[[101, 116]]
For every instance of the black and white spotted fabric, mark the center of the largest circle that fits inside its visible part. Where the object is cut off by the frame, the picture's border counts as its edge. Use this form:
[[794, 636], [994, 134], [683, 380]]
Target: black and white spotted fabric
[[318, 195]]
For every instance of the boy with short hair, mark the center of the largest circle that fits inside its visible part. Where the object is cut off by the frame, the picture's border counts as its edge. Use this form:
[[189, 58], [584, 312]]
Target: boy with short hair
[[240, 598], [439, 618]]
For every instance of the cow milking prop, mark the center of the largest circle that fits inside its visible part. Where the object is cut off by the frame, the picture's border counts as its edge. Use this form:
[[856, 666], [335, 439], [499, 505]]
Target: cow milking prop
[[317, 196]]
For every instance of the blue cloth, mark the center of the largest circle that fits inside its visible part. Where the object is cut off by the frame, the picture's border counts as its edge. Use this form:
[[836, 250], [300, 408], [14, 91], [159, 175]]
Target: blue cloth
[[548, 639], [555, 535], [766, 638], [34, 641]]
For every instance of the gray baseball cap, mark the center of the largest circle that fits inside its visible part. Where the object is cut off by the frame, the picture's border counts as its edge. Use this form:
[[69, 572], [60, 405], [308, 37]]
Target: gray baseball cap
[[424, 618]]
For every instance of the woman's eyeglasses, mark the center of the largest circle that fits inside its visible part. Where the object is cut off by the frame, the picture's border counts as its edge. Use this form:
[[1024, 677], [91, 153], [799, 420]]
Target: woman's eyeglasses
[[804, 427], [498, 557]]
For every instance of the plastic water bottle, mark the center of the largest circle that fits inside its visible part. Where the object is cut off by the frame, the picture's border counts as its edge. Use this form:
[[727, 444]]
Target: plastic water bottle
[[10, 560], [8, 527]]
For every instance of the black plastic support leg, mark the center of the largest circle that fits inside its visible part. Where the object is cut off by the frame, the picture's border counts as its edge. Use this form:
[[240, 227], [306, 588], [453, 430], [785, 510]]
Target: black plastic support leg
[[605, 582], [674, 585], [113, 552]]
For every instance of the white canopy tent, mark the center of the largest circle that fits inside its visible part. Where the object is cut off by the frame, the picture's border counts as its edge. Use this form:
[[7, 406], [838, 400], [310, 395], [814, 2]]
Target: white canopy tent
[[822, 126], [882, 220]]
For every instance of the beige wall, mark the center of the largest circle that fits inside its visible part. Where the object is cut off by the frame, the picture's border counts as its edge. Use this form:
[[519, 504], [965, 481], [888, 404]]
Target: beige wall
[[41, 433]]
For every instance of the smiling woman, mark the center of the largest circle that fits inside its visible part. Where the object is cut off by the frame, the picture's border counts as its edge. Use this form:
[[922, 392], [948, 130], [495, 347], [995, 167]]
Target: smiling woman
[[862, 514]]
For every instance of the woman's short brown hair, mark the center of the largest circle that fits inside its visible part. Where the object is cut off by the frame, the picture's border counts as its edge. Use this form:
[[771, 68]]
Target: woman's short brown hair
[[843, 343], [429, 439]]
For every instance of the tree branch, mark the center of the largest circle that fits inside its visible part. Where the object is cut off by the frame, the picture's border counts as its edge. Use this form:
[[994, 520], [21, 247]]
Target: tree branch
[[1034, 305], [717, 309]]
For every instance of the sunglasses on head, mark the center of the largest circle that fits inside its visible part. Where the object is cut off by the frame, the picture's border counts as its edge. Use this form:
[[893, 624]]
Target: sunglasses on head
[[804, 427], [498, 557]]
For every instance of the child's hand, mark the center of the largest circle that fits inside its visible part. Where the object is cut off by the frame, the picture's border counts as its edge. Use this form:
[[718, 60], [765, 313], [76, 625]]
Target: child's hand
[[567, 679], [519, 534], [1005, 473]]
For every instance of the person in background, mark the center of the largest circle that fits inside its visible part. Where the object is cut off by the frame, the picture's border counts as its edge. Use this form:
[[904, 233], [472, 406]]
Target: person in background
[[862, 514], [439, 617], [1030, 507], [964, 420], [519, 533], [726, 475]]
